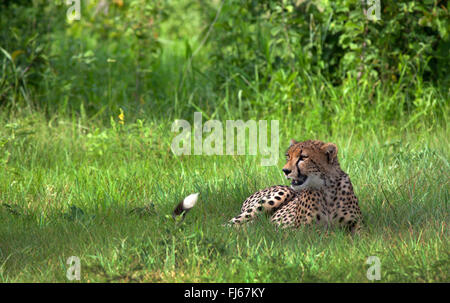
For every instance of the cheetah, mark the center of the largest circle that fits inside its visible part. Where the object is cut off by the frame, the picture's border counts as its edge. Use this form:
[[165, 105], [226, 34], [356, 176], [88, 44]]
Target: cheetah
[[320, 192]]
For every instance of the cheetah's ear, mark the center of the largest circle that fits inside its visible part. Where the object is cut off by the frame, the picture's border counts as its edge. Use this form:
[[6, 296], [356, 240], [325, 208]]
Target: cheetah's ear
[[330, 150], [292, 142]]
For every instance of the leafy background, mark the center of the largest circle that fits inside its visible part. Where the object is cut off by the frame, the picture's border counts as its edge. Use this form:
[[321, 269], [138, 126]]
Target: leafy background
[[254, 58], [86, 109]]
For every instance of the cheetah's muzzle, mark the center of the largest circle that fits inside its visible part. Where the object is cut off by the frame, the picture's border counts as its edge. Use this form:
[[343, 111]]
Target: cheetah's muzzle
[[300, 180]]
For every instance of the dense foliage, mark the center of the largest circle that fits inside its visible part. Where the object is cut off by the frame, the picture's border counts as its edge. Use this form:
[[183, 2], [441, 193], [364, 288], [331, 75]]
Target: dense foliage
[[257, 57], [335, 39], [86, 109]]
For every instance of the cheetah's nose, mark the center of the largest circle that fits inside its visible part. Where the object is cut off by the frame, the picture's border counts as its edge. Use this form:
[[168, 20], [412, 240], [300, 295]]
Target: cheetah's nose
[[286, 171]]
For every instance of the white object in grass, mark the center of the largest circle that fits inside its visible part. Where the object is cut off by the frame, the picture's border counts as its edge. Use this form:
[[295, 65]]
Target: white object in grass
[[190, 201]]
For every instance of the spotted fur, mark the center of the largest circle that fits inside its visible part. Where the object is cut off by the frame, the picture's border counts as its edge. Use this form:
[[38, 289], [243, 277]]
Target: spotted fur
[[265, 201], [321, 193]]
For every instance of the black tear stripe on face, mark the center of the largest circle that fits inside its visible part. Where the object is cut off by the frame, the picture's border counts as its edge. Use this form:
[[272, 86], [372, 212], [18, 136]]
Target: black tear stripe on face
[[296, 164]]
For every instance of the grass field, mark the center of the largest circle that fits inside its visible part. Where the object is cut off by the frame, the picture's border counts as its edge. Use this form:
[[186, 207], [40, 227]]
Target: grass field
[[105, 194], [86, 109]]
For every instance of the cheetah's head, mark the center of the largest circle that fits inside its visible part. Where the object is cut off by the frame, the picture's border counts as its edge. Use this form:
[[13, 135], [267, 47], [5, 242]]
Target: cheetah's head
[[309, 163]]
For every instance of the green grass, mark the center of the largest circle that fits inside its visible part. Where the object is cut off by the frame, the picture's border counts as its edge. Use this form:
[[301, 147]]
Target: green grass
[[68, 188], [75, 182]]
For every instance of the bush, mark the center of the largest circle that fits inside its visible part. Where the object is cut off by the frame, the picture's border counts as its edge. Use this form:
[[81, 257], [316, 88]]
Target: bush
[[248, 57], [335, 39]]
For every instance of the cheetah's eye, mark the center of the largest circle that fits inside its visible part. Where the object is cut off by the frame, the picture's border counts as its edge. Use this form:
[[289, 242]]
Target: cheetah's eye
[[303, 157], [287, 157]]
